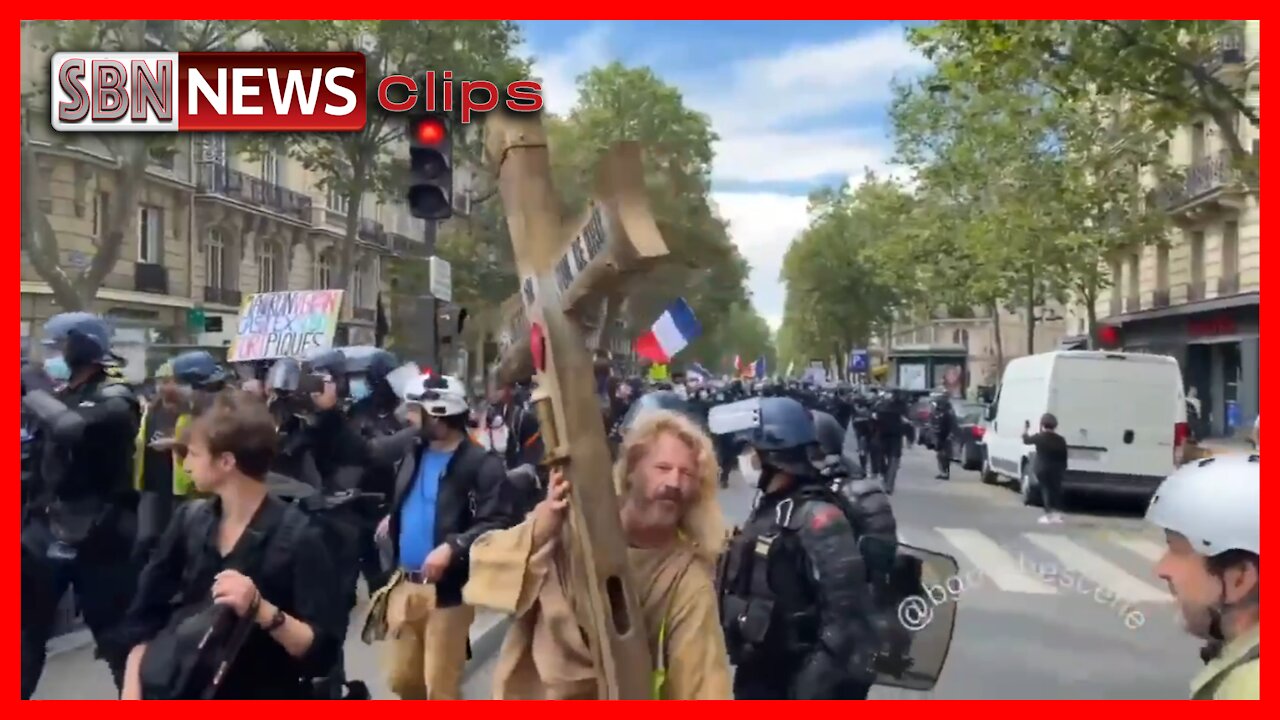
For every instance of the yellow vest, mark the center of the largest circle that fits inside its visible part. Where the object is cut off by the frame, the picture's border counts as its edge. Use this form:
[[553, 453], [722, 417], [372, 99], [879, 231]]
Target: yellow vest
[[1231, 675], [182, 484]]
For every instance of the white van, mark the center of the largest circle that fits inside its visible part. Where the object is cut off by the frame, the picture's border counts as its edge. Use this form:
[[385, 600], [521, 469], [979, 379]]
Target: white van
[[1123, 416]]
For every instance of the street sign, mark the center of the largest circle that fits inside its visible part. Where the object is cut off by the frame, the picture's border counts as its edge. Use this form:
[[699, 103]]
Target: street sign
[[441, 282], [195, 319], [859, 361]]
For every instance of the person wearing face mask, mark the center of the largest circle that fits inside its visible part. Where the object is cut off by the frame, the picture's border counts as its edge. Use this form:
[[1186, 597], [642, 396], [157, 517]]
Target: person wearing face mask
[[448, 492], [665, 479], [1209, 511], [81, 525], [796, 596]]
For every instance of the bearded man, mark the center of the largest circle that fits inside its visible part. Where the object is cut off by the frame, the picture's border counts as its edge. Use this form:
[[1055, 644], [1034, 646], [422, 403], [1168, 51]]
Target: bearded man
[[666, 480]]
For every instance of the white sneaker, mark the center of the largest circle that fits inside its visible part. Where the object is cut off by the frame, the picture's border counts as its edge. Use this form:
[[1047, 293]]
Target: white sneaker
[[1045, 519], [1058, 518]]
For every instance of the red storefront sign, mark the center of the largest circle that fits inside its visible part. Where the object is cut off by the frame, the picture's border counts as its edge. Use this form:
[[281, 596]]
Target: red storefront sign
[[1211, 326]]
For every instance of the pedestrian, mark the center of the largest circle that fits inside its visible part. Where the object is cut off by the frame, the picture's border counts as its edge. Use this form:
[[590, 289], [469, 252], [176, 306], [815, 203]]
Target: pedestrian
[[1049, 465], [1209, 511]]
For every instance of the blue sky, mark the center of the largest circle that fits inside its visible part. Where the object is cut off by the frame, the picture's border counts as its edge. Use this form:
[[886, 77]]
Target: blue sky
[[797, 105]]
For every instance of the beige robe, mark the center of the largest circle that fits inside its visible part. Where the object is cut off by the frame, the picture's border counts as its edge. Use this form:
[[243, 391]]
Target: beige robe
[[545, 655]]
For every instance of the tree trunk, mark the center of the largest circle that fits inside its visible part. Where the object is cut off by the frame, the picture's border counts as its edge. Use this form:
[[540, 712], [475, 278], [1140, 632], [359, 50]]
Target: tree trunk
[[996, 339], [346, 253]]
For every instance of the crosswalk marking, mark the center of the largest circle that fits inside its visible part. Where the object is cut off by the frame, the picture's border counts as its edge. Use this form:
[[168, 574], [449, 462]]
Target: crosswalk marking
[[995, 563], [1151, 551], [1079, 559]]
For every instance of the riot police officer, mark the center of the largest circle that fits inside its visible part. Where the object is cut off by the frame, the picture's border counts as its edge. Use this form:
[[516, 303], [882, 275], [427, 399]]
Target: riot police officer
[[795, 595], [942, 422], [81, 528]]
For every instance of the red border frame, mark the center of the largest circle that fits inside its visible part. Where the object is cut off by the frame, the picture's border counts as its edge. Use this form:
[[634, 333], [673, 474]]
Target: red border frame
[[559, 9]]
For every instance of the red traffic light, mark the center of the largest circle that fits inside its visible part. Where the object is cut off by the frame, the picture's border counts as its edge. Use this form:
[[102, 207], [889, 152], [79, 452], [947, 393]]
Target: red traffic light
[[429, 131]]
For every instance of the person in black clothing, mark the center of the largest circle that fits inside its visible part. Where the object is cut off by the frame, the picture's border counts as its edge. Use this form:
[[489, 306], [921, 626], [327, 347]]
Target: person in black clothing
[[942, 418], [889, 422], [80, 524], [215, 551], [794, 592], [1050, 464]]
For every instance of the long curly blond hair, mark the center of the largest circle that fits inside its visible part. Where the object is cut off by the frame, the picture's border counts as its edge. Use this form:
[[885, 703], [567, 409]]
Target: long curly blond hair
[[703, 524]]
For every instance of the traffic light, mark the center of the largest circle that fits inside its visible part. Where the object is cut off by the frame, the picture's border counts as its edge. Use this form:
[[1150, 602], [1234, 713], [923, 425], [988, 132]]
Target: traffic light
[[430, 168], [450, 320]]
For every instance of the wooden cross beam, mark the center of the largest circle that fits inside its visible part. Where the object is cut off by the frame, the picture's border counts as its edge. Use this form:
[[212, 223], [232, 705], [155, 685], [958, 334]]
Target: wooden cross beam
[[560, 283]]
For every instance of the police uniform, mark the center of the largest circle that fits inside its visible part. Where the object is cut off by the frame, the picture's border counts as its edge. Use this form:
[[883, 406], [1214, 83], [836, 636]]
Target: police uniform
[[81, 527]]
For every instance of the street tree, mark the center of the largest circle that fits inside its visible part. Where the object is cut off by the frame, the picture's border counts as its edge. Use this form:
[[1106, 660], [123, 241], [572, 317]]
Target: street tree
[[1167, 68], [372, 162], [127, 157], [618, 103]]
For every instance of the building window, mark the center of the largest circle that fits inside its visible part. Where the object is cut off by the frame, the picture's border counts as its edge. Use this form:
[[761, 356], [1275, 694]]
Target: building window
[[215, 258], [324, 269], [357, 286], [1135, 274], [1230, 248], [336, 200], [270, 170], [270, 266], [1197, 258], [150, 234], [101, 201], [1197, 142], [1162, 267]]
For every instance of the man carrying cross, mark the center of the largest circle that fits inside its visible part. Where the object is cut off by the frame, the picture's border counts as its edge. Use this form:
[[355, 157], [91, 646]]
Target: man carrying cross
[[617, 602]]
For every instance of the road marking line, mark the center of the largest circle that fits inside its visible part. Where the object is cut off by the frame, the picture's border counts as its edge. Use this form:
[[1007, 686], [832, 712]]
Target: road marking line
[[1107, 574], [1147, 549], [995, 563]]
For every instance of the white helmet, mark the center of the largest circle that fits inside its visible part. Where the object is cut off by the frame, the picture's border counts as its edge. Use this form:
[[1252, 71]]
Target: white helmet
[[1214, 503], [425, 392]]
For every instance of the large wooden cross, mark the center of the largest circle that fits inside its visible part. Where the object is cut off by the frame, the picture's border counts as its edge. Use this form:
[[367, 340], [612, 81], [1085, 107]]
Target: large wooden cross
[[564, 289]]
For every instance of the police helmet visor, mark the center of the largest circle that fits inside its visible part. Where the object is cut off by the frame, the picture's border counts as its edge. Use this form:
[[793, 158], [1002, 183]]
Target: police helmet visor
[[284, 376]]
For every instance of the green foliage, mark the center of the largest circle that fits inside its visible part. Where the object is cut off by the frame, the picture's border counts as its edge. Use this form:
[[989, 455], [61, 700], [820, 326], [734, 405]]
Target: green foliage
[[838, 291], [132, 153], [372, 161], [617, 103]]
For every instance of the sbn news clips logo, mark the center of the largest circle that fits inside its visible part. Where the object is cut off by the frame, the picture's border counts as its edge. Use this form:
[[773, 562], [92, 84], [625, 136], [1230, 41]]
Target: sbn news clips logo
[[254, 92]]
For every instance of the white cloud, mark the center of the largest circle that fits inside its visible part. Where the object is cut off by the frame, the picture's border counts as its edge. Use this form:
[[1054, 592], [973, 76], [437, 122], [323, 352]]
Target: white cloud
[[559, 70], [763, 226], [779, 120]]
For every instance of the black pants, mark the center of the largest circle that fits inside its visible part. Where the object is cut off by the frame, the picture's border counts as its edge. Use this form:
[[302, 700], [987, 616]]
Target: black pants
[[102, 577], [767, 683], [1050, 482], [942, 452]]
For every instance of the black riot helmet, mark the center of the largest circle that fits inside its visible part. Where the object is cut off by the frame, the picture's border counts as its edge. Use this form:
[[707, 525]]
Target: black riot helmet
[[366, 369], [198, 369]]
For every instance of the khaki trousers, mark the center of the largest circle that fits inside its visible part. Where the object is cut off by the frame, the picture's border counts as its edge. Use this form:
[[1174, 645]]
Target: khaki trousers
[[426, 646]]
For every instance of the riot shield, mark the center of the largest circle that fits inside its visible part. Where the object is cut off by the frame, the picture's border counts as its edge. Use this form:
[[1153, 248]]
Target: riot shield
[[916, 618]]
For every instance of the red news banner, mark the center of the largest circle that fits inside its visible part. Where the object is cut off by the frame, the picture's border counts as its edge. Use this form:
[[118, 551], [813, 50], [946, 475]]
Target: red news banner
[[253, 92]]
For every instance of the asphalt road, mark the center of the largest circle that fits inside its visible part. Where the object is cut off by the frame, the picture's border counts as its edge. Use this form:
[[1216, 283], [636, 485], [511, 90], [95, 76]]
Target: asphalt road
[[1067, 611]]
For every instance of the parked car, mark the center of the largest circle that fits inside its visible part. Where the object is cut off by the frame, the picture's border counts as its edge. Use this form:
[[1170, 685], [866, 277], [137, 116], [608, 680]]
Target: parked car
[[966, 441], [921, 414]]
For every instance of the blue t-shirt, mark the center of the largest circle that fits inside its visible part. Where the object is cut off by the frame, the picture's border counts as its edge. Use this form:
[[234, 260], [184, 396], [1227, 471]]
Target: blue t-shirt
[[418, 514]]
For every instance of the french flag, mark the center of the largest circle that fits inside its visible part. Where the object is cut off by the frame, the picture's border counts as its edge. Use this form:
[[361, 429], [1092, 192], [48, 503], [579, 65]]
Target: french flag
[[670, 334]]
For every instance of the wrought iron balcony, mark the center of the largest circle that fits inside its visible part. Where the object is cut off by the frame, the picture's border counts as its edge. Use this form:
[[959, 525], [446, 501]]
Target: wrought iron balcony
[[1158, 298], [1132, 304], [221, 296], [1205, 180], [217, 179], [372, 232], [1228, 49], [151, 278]]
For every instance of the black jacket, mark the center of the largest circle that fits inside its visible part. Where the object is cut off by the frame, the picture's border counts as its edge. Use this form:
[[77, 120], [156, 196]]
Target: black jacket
[[472, 499]]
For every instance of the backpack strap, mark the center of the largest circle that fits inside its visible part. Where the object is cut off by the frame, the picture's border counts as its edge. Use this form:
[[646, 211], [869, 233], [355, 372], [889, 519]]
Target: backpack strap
[[1210, 689], [283, 542]]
